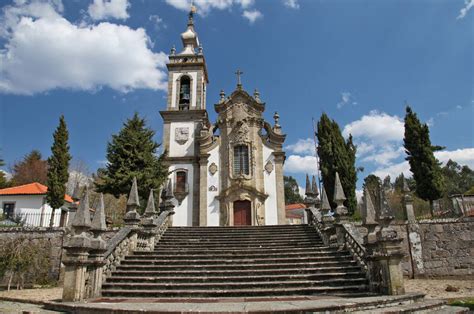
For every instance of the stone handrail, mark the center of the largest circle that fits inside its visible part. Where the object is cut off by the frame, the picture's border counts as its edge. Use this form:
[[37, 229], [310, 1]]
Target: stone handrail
[[356, 248], [313, 221], [147, 239], [118, 247]]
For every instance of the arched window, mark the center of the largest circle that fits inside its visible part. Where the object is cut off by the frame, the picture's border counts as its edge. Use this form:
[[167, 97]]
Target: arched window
[[184, 93], [241, 160]]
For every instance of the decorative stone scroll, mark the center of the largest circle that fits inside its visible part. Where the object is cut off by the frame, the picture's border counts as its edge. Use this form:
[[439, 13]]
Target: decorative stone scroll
[[213, 188], [269, 167], [213, 168], [181, 135]]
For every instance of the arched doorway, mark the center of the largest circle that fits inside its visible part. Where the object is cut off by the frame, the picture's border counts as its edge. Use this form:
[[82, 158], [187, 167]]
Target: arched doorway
[[242, 213]]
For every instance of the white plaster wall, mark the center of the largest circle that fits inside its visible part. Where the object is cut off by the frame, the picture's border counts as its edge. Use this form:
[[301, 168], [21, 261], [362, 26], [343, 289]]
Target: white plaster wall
[[30, 206], [186, 149], [212, 202], [269, 180], [183, 213], [174, 89]]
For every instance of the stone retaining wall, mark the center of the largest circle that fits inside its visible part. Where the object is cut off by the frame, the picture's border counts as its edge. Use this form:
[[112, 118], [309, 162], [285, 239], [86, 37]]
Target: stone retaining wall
[[436, 248]]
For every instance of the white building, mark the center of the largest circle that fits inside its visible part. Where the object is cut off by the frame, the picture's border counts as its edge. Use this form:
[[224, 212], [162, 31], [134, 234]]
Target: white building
[[225, 173], [28, 202]]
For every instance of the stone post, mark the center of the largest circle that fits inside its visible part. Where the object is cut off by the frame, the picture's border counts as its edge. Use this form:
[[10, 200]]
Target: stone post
[[77, 251], [148, 231], [341, 212], [408, 202], [326, 218], [98, 248], [388, 252], [132, 217], [73, 207], [309, 200]]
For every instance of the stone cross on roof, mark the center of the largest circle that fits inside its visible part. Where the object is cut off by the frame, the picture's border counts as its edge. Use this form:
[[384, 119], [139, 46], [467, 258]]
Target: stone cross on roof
[[239, 73]]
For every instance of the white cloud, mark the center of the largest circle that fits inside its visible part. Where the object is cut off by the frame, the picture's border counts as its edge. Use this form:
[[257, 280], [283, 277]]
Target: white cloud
[[302, 146], [376, 126], [205, 6], [157, 21], [346, 99], [44, 51], [301, 164], [252, 15], [104, 9], [468, 4], [463, 156], [385, 155], [459, 107], [293, 4], [364, 148], [301, 191], [359, 194]]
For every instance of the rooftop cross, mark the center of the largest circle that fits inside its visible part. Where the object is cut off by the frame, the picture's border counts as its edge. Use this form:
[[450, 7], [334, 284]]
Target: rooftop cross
[[239, 73]]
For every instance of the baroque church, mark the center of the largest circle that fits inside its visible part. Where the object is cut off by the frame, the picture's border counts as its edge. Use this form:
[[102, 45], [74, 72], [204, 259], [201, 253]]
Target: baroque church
[[226, 173]]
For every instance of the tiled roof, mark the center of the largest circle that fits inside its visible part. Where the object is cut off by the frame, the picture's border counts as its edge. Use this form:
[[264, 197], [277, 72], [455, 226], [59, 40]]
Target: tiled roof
[[295, 206], [34, 188]]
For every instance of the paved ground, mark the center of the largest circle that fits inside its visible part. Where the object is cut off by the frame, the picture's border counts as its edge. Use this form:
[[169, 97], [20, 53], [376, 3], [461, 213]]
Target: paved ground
[[436, 288], [16, 307]]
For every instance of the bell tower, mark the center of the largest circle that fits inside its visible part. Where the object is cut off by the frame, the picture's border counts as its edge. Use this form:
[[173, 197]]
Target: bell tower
[[184, 116]]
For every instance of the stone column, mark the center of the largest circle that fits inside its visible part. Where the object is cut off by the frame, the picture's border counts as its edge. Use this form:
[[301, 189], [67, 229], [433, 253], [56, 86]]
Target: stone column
[[77, 252], [203, 161], [279, 159], [408, 203], [132, 217], [148, 230], [98, 248], [341, 212]]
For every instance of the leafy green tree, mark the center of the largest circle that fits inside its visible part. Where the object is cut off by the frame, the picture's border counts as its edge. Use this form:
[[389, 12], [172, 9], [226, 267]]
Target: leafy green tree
[[58, 170], [458, 179], [132, 153], [420, 155], [337, 154], [31, 169], [292, 190]]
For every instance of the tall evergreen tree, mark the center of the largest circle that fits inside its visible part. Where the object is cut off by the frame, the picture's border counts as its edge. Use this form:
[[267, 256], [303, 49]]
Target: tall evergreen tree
[[132, 153], [374, 186], [420, 155], [292, 190], [3, 178], [58, 165], [337, 154]]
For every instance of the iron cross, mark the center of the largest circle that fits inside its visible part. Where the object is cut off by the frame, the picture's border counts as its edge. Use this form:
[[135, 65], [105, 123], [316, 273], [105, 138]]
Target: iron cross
[[239, 73]]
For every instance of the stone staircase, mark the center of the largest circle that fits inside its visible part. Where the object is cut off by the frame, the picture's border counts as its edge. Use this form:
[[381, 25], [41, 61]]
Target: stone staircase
[[237, 262]]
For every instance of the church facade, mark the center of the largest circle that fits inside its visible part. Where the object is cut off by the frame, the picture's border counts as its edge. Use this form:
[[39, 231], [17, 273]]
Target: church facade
[[226, 173]]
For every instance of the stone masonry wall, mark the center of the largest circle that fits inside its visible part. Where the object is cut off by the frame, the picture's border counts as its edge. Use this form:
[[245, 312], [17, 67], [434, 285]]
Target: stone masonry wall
[[436, 248]]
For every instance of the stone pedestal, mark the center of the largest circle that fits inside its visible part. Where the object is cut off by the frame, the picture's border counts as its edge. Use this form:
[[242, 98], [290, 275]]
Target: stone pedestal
[[76, 262], [147, 234], [96, 258]]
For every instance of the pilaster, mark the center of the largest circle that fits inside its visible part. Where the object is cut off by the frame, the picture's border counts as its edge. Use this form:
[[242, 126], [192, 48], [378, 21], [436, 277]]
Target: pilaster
[[279, 158], [203, 161]]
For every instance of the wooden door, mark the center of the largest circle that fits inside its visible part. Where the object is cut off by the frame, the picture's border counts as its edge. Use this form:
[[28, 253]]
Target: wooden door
[[242, 213]]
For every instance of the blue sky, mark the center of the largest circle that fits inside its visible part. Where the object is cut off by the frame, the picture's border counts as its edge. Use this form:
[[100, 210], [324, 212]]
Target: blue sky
[[97, 62]]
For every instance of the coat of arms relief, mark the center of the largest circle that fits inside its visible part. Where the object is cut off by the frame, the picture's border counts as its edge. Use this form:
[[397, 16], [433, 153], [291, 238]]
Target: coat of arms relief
[[181, 135]]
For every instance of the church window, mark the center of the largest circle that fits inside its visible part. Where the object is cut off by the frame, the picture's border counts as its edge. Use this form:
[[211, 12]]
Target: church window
[[184, 93], [180, 182], [241, 160]]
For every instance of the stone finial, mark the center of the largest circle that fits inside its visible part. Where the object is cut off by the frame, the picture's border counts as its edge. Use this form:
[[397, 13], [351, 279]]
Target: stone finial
[[82, 218], [200, 49], [308, 190], [256, 95], [338, 190], [150, 206], [173, 51], [98, 222], [276, 117], [325, 206], [314, 186], [170, 189], [406, 188], [368, 212], [76, 193], [133, 200], [166, 197], [222, 95], [386, 212]]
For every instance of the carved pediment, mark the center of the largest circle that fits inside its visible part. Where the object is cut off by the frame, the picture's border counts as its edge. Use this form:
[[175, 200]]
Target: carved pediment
[[240, 191], [240, 97]]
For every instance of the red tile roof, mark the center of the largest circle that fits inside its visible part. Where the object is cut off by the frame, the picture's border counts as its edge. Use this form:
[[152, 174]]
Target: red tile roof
[[295, 206], [34, 188]]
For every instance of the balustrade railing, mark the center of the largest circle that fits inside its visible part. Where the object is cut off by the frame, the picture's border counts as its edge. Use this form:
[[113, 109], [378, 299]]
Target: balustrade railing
[[356, 248]]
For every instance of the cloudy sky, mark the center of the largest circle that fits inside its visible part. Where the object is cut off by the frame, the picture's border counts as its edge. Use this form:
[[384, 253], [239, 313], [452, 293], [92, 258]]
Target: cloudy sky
[[98, 61]]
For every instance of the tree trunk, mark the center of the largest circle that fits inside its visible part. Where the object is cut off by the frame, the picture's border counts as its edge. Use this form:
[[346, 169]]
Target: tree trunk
[[10, 281], [51, 220], [432, 208]]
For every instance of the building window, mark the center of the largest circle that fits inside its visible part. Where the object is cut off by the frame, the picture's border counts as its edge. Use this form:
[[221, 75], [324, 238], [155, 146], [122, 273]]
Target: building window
[[184, 93], [181, 181], [241, 160], [8, 210]]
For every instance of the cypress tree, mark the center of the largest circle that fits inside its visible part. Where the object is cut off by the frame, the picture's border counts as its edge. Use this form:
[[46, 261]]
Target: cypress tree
[[58, 168], [132, 153], [420, 155], [337, 155], [373, 185]]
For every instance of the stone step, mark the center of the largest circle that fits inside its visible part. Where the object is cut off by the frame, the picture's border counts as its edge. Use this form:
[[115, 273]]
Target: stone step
[[238, 239], [255, 278], [282, 235], [424, 305], [212, 251], [235, 228], [241, 232], [237, 272], [229, 285], [244, 255], [205, 293], [237, 245], [187, 266], [132, 260]]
